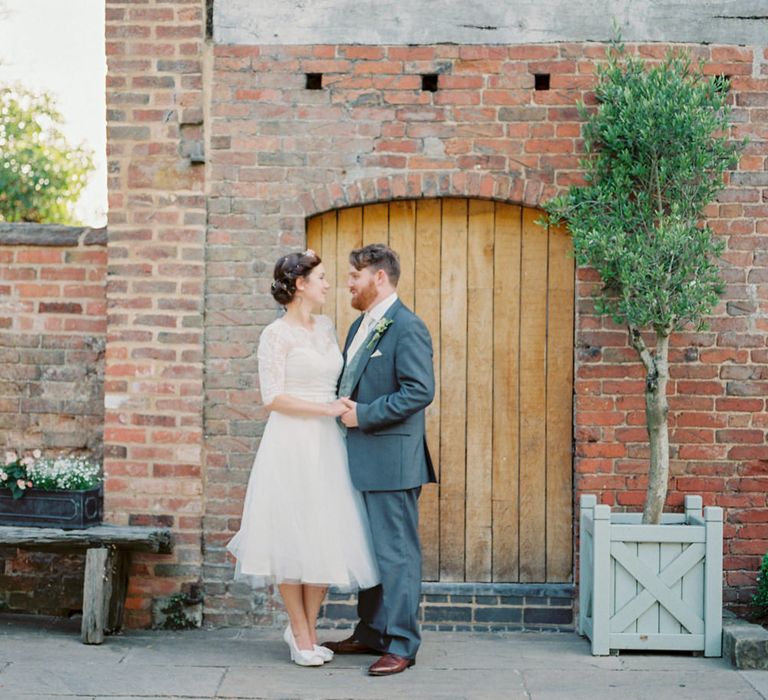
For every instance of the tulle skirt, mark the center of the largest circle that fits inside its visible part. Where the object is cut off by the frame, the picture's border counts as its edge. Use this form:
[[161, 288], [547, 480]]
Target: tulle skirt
[[303, 521]]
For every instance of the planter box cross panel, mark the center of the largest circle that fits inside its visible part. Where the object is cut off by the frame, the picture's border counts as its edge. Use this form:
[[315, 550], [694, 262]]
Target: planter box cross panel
[[651, 586]]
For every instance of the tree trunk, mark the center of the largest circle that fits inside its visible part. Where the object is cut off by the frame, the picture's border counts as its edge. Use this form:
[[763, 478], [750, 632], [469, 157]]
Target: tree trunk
[[656, 411]]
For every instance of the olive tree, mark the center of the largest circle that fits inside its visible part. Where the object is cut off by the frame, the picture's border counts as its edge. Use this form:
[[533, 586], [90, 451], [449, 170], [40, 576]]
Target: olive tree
[[41, 174], [657, 149]]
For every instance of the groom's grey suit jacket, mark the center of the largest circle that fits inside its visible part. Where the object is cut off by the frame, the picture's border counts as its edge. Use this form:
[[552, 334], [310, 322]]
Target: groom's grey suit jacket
[[393, 383]]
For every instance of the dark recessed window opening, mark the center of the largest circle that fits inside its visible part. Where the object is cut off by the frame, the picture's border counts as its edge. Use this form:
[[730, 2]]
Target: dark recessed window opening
[[314, 81], [429, 82], [541, 81], [723, 83], [209, 19]]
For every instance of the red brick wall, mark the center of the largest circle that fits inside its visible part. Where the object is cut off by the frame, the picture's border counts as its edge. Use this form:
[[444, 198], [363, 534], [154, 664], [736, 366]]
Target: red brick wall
[[279, 153], [52, 331], [191, 246], [153, 386], [52, 335]]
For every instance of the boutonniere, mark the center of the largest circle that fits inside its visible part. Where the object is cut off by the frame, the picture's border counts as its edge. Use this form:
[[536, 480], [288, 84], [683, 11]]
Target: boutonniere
[[379, 330]]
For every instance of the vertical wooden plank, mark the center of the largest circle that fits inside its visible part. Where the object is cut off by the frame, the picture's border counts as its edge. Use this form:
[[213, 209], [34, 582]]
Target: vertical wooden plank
[[480, 389], [375, 223], [402, 235], [533, 390], [587, 505], [315, 233], [119, 572], [692, 585], [506, 340], [559, 475], [601, 580], [624, 590], [713, 581], [97, 592], [648, 553], [427, 306], [453, 339], [350, 236], [327, 252], [669, 551]]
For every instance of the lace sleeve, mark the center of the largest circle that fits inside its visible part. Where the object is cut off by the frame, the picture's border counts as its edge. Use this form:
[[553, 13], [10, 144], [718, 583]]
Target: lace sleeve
[[272, 354]]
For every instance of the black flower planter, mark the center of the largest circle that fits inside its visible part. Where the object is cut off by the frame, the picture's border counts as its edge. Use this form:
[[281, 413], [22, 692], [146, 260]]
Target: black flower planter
[[70, 510]]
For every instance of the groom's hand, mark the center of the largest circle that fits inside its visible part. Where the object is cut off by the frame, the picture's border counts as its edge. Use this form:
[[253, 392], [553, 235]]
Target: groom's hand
[[350, 417]]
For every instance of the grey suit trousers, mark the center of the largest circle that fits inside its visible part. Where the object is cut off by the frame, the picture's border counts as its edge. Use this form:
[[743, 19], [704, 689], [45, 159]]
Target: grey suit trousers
[[389, 612]]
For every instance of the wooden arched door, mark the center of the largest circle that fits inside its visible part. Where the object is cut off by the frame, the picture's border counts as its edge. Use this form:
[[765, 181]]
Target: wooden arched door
[[496, 291]]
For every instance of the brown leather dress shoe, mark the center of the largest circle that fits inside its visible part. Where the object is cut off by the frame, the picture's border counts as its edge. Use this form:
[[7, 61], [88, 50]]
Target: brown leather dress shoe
[[389, 664], [350, 645]]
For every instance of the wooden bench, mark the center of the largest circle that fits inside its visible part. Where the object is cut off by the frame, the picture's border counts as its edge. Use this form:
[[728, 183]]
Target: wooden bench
[[107, 557]]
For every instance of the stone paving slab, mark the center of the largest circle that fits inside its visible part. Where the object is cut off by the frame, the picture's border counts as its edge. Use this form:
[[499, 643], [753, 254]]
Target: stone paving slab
[[353, 683], [43, 659], [89, 679], [758, 680]]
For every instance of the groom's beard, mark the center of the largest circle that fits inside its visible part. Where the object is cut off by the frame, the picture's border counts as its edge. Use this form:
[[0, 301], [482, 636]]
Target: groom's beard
[[364, 297]]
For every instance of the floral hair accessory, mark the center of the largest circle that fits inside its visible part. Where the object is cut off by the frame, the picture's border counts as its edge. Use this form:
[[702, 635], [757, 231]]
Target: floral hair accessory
[[379, 329], [308, 253]]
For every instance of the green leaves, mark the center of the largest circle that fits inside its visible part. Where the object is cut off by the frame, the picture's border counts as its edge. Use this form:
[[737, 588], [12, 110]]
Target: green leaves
[[656, 154], [41, 175], [760, 598]]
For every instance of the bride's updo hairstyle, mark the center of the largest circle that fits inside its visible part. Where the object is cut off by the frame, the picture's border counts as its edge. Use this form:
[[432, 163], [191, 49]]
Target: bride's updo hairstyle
[[288, 269]]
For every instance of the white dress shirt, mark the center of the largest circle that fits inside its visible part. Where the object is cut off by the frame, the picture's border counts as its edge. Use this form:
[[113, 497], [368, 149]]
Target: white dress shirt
[[370, 319]]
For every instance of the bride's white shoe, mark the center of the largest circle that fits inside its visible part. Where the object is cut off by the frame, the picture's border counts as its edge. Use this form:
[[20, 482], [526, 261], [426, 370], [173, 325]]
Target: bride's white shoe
[[302, 657], [324, 653]]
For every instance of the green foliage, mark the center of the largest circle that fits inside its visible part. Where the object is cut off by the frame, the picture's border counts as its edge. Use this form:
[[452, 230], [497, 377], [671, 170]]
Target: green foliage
[[760, 598], [175, 612], [41, 175], [656, 151]]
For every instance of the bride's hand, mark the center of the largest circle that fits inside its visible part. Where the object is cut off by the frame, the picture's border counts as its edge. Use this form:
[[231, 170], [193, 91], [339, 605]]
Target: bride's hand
[[336, 408]]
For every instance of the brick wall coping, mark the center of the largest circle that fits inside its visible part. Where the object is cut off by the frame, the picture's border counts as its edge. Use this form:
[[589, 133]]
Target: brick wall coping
[[51, 235], [556, 590], [418, 22]]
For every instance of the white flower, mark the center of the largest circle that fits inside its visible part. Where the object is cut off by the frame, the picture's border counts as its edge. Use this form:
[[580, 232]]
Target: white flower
[[10, 457], [21, 484], [66, 473], [37, 454], [3, 476], [380, 329], [27, 461]]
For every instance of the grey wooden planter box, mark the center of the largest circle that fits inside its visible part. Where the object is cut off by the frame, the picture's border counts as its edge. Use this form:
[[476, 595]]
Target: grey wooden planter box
[[651, 586], [69, 510]]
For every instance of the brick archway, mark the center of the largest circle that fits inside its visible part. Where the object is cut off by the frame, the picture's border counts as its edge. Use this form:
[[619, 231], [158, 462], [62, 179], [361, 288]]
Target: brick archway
[[530, 192]]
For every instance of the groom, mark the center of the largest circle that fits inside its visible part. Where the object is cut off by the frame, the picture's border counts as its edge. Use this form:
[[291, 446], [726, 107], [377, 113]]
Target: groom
[[387, 383]]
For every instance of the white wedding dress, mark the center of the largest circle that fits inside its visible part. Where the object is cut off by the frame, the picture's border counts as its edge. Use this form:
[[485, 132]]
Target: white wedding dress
[[303, 521]]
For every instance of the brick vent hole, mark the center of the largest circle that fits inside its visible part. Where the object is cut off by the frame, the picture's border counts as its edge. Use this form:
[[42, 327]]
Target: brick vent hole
[[429, 82], [314, 81], [723, 83], [541, 81]]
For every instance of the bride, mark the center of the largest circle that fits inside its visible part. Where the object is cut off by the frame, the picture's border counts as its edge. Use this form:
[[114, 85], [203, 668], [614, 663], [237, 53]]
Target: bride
[[304, 525]]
